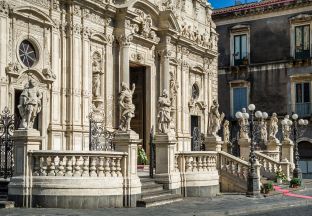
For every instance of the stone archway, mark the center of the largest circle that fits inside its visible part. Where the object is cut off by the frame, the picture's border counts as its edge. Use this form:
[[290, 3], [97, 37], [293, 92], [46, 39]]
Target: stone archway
[[305, 153]]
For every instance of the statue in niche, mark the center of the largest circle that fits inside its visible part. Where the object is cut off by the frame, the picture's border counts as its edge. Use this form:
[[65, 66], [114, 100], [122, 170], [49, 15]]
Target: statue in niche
[[286, 129], [29, 105], [243, 122], [164, 118], [173, 88], [96, 85], [214, 119], [96, 64], [273, 126], [226, 132], [127, 107]]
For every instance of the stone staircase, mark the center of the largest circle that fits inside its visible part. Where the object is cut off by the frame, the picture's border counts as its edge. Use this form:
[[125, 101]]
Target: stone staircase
[[4, 203], [154, 194]]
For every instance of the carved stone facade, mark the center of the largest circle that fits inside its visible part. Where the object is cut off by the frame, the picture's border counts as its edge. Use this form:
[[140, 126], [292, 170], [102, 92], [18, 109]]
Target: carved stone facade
[[78, 54]]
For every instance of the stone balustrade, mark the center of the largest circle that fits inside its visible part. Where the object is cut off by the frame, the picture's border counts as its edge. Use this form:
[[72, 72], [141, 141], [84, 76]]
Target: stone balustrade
[[78, 164], [197, 161], [233, 166], [269, 166]]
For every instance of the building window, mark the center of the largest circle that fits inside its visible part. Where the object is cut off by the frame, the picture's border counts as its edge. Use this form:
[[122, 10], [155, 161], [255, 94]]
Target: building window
[[239, 99], [240, 50], [27, 53], [302, 42], [303, 99], [195, 92]]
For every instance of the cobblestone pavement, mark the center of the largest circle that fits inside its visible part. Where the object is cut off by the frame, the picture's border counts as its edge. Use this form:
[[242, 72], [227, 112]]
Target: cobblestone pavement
[[223, 205], [298, 211]]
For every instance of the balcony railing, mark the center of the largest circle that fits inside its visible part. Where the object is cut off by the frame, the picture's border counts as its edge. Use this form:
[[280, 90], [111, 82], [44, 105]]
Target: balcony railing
[[302, 54], [241, 59], [302, 109]]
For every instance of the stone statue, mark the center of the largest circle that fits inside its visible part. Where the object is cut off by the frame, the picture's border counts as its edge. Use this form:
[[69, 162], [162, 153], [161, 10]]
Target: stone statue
[[214, 119], [127, 108], [286, 128], [263, 131], [164, 117], [173, 88], [226, 132], [146, 26], [273, 126], [96, 85], [243, 131], [29, 105]]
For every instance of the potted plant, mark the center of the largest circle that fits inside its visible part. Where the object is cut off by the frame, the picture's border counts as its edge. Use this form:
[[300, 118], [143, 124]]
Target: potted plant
[[295, 182], [280, 177], [142, 158], [267, 187]]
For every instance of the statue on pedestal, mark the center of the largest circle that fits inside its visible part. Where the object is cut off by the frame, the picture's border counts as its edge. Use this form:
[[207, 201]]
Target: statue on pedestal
[[226, 132], [286, 128], [214, 119], [127, 107], [243, 122], [273, 126], [164, 117], [263, 131], [29, 105]]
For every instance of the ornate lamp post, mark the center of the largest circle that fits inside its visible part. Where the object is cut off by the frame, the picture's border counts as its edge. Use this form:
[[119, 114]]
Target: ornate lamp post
[[297, 173], [253, 178]]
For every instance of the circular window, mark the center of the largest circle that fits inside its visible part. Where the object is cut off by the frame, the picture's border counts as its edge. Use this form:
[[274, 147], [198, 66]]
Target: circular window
[[195, 91], [27, 53]]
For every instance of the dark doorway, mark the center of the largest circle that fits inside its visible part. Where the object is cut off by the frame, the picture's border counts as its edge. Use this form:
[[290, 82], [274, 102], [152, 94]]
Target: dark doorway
[[138, 123], [305, 153], [194, 129]]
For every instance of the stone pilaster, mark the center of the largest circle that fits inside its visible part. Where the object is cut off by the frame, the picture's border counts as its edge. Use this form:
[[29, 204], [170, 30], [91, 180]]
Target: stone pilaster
[[128, 142], [288, 151], [20, 185], [244, 146], [124, 43], [165, 162]]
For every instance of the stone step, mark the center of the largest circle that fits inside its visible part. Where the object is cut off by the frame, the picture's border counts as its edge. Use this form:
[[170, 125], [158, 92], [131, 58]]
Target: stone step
[[149, 183], [6, 204], [146, 179], [156, 194], [151, 188], [151, 202]]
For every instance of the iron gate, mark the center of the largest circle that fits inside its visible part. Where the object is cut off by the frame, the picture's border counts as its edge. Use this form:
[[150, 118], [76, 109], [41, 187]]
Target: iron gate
[[100, 139], [6, 144], [197, 140]]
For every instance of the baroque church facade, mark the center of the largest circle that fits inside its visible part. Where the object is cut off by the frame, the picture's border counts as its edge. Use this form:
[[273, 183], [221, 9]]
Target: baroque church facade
[[78, 52]]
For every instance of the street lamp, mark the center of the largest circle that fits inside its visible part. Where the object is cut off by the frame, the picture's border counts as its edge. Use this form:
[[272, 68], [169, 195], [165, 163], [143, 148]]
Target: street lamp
[[253, 178], [297, 173]]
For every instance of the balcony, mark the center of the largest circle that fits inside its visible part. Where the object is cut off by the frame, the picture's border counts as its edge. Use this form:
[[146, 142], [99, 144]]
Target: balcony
[[302, 109], [241, 59]]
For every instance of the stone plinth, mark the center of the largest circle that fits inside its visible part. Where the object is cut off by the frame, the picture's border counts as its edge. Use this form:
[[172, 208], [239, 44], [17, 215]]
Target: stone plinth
[[128, 142], [19, 187], [244, 146], [288, 151], [165, 145], [213, 143], [273, 149]]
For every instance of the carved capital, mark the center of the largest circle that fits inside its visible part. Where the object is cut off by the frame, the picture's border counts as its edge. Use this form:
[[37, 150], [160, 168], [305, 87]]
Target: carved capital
[[125, 40], [165, 53], [86, 32]]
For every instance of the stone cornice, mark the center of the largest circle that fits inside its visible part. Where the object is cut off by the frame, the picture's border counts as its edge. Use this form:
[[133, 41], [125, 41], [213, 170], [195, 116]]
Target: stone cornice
[[257, 8]]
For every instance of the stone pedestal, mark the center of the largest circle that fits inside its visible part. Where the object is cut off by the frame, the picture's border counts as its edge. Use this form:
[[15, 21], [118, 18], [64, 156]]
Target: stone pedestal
[[20, 187], [288, 151], [165, 145], [213, 143], [273, 149], [128, 142], [244, 146]]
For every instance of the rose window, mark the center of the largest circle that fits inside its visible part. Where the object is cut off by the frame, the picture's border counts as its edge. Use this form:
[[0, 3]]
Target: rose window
[[27, 53]]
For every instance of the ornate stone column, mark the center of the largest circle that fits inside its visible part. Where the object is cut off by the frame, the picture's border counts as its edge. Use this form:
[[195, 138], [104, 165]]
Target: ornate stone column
[[109, 84], [124, 42]]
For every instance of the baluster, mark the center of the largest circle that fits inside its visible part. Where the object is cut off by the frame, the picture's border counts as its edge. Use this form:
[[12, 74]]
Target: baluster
[[69, 166], [118, 167], [209, 163], [77, 168], [85, 167], [194, 164], [188, 164], [36, 170], [51, 166], [44, 166], [205, 168], [107, 168], [101, 167], [200, 164], [93, 167], [61, 166], [113, 167]]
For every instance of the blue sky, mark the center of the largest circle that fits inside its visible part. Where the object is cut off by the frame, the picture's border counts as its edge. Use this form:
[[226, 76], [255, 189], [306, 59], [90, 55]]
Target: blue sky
[[225, 3]]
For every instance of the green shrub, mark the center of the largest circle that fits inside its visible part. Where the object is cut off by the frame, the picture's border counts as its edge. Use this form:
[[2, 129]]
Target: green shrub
[[295, 182], [142, 158], [280, 175]]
